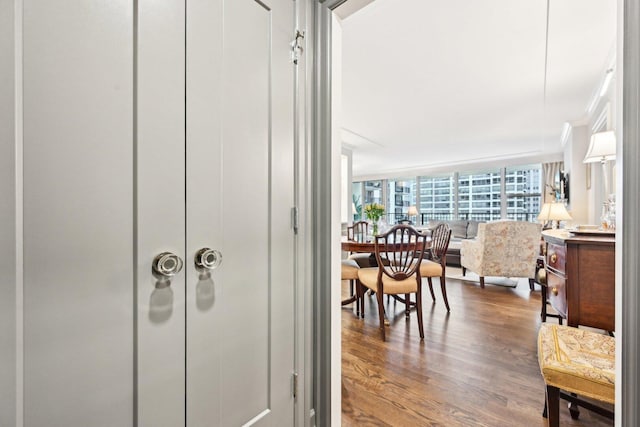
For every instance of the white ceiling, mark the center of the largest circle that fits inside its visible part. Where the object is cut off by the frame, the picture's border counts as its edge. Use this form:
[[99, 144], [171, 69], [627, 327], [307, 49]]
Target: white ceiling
[[429, 84]]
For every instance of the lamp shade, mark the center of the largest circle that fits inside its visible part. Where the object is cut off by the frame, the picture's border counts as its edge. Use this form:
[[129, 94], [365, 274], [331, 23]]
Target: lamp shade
[[602, 147], [554, 212], [412, 211]]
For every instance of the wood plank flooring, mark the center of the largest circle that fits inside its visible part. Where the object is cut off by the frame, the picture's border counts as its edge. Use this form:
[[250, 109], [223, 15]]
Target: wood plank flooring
[[477, 365]]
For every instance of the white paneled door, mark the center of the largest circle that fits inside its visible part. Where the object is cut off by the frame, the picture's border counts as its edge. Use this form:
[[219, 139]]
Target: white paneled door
[[239, 199], [158, 127]]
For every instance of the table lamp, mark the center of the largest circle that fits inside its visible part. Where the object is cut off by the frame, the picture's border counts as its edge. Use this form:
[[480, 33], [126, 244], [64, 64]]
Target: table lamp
[[602, 148], [412, 212], [554, 211]]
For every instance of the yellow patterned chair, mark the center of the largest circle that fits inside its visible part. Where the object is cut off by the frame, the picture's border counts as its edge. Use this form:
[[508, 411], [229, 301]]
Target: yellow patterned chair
[[502, 249], [580, 362]]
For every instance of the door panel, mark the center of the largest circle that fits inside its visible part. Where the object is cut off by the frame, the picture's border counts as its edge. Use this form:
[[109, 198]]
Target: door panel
[[245, 274], [78, 218], [204, 216], [240, 315], [160, 212], [8, 249]]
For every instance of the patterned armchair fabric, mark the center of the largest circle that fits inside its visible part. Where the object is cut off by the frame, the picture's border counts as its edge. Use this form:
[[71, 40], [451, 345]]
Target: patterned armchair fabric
[[503, 249]]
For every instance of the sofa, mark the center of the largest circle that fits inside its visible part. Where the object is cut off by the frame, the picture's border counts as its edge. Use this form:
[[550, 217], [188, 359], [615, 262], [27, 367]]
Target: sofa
[[461, 229]]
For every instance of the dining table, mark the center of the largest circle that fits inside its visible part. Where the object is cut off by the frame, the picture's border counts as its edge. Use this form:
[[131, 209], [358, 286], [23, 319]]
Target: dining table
[[367, 245]]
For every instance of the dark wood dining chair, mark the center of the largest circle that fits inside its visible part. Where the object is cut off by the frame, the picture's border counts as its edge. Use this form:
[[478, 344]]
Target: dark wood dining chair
[[436, 262], [349, 271], [403, 246], [358, 232]]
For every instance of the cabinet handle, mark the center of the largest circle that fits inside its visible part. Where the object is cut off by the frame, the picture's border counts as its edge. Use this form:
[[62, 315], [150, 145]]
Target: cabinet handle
[[553, 258], [554, 291], [208, 259], [167, 264]]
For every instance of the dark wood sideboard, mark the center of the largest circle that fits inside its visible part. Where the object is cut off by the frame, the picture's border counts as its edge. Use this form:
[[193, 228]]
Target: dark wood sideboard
[[581, 278]]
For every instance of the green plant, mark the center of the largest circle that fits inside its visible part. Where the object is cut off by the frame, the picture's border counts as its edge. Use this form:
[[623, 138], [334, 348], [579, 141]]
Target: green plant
[[374, 211]]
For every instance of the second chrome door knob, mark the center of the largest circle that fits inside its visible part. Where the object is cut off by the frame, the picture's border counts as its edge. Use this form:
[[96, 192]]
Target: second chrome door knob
[[208, 259]]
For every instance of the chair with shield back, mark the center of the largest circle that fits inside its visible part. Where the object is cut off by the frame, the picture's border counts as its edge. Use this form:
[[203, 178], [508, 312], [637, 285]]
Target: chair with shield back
[[403, 246], [435, 264], [358, 232]]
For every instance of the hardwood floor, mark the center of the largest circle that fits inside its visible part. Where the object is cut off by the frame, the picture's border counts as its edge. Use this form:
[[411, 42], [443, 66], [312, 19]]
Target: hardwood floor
[[477, 365]]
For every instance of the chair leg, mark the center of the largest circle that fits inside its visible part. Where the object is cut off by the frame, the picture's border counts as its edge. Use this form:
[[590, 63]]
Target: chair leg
[[482, 282], [357, 298], [553, 406], [543, 298], [360, 290], [464, 271], [531, 285], [351, 287], [381, 314], [407, 300], [443, 286], [419, 312], [574, 409], [433, 296]]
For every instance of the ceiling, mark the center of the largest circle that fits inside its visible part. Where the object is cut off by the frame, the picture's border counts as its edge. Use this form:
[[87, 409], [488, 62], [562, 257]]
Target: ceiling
[[431, 84]]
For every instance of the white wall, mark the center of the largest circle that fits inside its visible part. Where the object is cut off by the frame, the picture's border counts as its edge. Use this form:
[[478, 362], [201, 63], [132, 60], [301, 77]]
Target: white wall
[[575, 149]]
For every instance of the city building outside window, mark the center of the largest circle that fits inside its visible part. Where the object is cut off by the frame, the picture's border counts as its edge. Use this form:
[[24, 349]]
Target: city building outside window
[[506, 193]]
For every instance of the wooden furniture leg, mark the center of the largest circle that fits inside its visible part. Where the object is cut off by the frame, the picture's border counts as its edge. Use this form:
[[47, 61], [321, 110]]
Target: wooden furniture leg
[[574, 409], [553, 406], [381, 315], [443, 286], [433, 296]]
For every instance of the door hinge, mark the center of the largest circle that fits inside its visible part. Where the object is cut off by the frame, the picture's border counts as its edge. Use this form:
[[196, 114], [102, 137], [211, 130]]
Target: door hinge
[[295, 219], [296, 46], [294, 377]]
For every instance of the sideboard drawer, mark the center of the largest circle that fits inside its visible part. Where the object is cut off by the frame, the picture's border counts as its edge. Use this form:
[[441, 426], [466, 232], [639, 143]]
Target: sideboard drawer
[[556, 292], [556, 257]]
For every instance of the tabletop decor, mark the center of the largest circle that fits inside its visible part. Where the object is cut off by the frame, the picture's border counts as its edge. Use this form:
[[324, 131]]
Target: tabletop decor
[[374, 212]]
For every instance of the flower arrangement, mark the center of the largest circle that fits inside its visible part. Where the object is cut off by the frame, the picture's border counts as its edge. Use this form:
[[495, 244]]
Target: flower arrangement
[[374, 212]]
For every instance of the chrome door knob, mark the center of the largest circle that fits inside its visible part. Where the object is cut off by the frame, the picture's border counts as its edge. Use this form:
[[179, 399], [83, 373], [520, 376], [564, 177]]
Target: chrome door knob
[[208, 259], [167, 264]]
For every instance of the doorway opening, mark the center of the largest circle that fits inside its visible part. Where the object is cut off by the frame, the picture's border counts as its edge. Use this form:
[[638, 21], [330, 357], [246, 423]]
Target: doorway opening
[[350, 208]]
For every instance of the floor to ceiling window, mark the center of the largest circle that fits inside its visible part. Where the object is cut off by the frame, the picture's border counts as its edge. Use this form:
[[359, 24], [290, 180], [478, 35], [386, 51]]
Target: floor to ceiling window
[[479, 195], [505, 193], [437, 197], [401, 195], [523, 191]]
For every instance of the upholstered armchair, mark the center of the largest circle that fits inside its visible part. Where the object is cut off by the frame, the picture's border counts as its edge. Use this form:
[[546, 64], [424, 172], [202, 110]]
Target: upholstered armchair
[[502, 249]]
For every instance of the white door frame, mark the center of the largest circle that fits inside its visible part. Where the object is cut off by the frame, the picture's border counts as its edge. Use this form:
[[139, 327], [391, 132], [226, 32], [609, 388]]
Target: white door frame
[[627, 244]]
